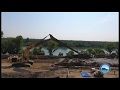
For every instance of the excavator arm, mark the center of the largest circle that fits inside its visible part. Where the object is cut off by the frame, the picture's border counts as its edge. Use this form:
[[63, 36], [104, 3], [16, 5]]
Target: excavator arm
[[56, 40], [26, 51]]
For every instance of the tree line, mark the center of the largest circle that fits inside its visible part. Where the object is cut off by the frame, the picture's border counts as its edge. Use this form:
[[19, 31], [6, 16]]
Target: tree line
[[71, 43], [15, 45]]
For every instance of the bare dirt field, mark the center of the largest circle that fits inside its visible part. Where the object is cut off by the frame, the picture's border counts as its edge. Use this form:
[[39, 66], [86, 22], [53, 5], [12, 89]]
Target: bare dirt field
[[46, 69]]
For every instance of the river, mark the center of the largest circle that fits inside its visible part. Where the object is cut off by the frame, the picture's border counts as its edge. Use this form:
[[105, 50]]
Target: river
[[63, 50]]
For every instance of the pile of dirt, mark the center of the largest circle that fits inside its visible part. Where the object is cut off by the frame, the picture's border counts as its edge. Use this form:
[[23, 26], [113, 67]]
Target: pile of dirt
[[71, 62], [83, 62]]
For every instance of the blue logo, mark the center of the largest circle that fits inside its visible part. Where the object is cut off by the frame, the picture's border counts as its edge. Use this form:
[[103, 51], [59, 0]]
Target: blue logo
[[105, 68]]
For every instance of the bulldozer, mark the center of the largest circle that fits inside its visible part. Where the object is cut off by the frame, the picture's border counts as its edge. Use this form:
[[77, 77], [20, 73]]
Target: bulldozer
[[24, 60]]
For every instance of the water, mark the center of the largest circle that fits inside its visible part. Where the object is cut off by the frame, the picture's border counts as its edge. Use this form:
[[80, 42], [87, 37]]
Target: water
[[63, 50]]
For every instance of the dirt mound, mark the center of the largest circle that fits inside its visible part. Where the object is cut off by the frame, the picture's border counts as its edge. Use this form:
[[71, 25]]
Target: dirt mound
[[90, 62]]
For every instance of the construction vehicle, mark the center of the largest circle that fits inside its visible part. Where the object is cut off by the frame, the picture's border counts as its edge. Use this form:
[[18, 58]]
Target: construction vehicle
[[25, 57], [24, 61], [98, 74]]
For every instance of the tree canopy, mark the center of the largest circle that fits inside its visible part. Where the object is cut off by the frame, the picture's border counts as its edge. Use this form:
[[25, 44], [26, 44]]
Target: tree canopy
[[2, 33], [38, 51], [110, 47], [12, 45], [70, 53], [52, 47]]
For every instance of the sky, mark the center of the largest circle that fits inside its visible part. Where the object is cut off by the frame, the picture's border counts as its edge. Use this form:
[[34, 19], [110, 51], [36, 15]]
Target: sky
[[86, 26]]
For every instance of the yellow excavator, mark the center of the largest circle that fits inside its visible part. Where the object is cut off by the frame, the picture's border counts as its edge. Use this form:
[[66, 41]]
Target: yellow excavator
[[25, 62]]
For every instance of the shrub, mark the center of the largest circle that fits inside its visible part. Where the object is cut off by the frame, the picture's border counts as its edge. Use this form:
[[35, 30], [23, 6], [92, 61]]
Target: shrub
[[70, 53], [60, 54]]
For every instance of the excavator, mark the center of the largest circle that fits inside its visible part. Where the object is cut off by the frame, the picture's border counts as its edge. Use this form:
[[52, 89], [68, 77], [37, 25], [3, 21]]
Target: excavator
[[25, 62]]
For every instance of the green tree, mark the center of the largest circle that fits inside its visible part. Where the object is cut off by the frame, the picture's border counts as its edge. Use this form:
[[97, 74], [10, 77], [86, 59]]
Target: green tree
[[8, 45], [27, 40], [2, 33], [52, 46], [60, 54], [98, 51], [18, 44], [117, 51], [110, 47], [41, 52], [116, 45], [70, 53], [38, 51], [12, 45], [4, 45], [35, 51], [89, 51], [40, 48], [84, 52], [93, 52]]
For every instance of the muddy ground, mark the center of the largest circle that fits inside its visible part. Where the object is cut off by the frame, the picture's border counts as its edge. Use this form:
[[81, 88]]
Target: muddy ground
[[45, 69]]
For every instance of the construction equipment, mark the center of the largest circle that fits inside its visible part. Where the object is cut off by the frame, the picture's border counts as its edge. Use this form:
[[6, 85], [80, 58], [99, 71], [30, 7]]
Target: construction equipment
[[98, 74], [81, 56], [25, 57], [24, 61]]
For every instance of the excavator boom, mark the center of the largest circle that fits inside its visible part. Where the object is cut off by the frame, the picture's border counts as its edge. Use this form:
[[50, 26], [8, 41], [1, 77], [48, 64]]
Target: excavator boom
[[26, 52], [25, 61], [56, 40]]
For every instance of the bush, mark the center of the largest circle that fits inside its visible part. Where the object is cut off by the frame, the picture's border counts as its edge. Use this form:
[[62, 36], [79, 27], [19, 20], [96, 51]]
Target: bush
[[84, 52], [70, 53], [42, 53], [60, 54], [37, 52], [89, 51]]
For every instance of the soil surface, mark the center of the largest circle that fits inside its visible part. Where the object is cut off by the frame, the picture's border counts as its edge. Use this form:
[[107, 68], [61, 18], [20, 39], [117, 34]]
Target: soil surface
[[46, 69]]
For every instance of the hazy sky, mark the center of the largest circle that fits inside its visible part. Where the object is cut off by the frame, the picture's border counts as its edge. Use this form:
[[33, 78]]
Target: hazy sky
[[88, 26]]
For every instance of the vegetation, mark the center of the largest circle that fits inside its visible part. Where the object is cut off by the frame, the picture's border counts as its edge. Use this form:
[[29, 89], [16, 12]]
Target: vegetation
[[117, 52], [15, 45], [2, 33], [27, 41], [95, 51], [98, 51], [70, 53], [85, 44], [89, 51], [37, 51], [60, 54], [110, 47], [52, 47], [12, 45]]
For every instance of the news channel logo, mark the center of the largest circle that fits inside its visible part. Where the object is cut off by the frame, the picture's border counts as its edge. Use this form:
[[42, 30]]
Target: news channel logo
[[105, 68]]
